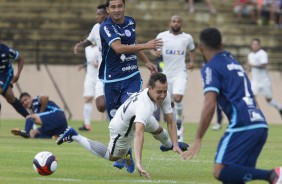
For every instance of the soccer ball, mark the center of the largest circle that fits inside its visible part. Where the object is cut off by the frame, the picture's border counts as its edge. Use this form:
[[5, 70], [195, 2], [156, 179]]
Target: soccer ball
[[45, 163]]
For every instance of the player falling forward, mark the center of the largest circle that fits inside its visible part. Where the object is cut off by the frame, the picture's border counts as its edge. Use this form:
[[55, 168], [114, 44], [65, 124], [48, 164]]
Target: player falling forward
[[132, 119]]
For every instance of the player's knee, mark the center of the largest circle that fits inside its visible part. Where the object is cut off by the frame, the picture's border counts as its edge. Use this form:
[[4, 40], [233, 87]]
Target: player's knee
[[100, 104], [177, 98], [216, 171]]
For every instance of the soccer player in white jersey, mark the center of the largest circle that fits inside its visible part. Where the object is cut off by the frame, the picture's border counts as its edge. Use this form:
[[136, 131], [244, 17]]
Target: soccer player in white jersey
[[174, 50], [132, 119], [261, 82], [91, 90], [94, 39]]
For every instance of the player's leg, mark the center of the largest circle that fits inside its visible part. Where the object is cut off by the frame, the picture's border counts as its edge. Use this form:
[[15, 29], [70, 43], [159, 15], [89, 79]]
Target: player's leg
[[112, 98], [29, 123], [100, 96], [160, 134], [118, 146], [52, 124], [178, 90], [11, 99], [241, 168], [88, 94], [267, 93]]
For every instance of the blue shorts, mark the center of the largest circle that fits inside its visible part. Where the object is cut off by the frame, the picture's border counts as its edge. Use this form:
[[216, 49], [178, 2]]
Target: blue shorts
[[117, 92], [241, 148], [53, 123], [5, 79]]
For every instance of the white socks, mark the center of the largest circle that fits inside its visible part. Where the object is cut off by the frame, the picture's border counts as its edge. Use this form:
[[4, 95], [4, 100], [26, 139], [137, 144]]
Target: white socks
[[163, 137], [87, 110], [94, 147], [178, 110]]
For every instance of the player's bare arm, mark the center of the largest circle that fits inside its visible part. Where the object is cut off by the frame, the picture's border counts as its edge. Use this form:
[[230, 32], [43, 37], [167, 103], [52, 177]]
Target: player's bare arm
[[84, 43], [146, 61], [127, 49], [44, 101], [138, 145], [171, 127], [20, 61], [190, 64], [206, 117]]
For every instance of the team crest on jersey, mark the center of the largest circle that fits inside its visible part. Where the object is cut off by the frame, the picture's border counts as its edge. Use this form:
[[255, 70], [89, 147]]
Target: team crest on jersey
[[107, 31], [127, 33]]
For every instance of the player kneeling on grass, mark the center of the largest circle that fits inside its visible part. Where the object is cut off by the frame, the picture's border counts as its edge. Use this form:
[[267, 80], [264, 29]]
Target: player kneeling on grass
[[45, 113], [132, 119]]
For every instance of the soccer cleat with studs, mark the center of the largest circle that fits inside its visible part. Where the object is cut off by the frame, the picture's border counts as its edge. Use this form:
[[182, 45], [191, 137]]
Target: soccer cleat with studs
[[17, 131], [120, 163], [66, 136], [129, 162], [276, 176]]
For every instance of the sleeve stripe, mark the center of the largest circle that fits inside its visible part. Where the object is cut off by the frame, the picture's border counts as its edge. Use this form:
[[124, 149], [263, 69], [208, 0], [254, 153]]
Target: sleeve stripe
[[113, 41], [211, 89], [17, 55]]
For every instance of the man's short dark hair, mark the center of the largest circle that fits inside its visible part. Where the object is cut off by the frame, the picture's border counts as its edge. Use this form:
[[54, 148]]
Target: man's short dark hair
[[211, 37], [157, 77], [102, 6], [24, 94], [108, 2], [257, 40]]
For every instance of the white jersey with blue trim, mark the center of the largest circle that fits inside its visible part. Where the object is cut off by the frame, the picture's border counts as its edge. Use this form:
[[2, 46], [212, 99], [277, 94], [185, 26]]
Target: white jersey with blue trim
[[174, 51], [226, 77], [117, 67], [137, 108]]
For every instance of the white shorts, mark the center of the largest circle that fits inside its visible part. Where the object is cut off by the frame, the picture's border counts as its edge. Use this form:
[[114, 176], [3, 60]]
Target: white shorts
[[89, 86], [263, 88], [177, 84], [120, 144], [99, 88]]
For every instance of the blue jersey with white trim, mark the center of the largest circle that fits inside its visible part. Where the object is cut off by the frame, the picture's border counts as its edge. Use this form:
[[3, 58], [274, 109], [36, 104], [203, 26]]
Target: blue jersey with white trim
[[226, 77], [51, 106], [6, 55], [116, 67]]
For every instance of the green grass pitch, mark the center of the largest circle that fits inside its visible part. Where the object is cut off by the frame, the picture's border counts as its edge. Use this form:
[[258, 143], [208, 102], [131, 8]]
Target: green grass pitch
[[77, 165]]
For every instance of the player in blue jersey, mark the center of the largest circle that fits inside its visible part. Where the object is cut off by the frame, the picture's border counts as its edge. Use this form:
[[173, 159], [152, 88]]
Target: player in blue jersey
[[7, 77], [119, 70], [45, 113], [226, 83]]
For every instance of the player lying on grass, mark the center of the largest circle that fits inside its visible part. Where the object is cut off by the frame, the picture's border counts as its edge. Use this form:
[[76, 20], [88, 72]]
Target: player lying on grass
[[131, 120], [45, 113]]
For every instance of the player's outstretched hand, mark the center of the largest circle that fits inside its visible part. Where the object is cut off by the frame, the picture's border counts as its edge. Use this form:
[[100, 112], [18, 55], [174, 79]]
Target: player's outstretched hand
[[151, 67], [176, 149], [192, 151], [75, 48], [154, 44], [142, 172]]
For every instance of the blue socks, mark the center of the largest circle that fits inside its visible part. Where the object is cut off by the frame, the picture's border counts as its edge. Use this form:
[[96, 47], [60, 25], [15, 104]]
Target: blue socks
[[28, 125], [239, 174]]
